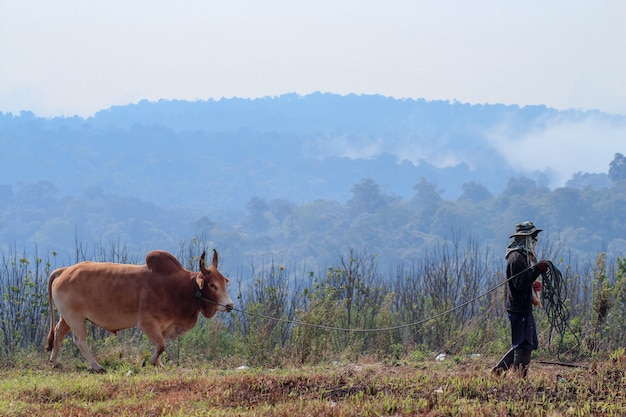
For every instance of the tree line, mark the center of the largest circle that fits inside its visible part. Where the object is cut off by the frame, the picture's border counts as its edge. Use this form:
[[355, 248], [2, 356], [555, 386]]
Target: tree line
[[586, 220]]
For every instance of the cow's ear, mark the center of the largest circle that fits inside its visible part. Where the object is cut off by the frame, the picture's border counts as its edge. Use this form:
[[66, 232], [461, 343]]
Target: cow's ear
[[200, 281]]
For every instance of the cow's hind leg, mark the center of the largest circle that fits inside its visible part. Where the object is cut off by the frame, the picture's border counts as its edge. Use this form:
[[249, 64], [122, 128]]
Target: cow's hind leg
[[79, 335], [60, 331]]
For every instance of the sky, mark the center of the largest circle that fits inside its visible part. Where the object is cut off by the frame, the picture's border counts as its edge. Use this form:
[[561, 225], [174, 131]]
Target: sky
[[69, 57]]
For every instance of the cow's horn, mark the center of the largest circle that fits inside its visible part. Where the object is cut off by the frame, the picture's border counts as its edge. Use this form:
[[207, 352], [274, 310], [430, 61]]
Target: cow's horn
[[214, 263], [202, 266]]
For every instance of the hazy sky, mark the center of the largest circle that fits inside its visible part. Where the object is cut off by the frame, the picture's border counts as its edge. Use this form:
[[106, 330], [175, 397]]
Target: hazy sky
[[76, 57]]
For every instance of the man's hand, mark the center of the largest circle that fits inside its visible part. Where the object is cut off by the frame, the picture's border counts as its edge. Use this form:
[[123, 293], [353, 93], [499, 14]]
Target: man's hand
[[537, 286], [542, 267]]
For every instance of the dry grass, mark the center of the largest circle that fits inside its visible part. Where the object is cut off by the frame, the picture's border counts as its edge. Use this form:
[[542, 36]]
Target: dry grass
[[449, 388]]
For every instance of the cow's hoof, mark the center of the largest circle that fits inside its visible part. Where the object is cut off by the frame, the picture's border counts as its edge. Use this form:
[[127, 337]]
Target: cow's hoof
[[99, 371]]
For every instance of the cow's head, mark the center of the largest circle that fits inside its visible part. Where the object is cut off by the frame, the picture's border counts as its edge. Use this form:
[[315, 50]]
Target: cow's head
[[212, 285]]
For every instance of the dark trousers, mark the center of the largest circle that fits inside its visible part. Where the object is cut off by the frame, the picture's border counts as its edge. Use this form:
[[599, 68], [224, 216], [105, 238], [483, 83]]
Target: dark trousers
[[523, 342], [523, 331]]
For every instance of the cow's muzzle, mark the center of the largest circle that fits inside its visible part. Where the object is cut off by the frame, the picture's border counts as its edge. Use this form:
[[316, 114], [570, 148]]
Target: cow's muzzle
[[224, 307]]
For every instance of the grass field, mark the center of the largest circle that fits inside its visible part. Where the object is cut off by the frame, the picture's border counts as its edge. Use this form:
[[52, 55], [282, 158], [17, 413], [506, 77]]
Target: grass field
[[454, 387]]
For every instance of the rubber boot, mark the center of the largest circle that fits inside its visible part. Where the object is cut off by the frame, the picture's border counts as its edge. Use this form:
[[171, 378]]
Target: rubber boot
[[521, 359], [504, 364]]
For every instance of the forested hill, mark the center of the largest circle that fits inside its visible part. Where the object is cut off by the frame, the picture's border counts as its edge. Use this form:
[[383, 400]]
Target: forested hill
[[176, 153], [153, 173], [368, 115]]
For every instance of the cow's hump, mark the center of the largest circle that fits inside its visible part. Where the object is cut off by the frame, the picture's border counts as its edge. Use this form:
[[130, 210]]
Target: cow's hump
[[163, 262]]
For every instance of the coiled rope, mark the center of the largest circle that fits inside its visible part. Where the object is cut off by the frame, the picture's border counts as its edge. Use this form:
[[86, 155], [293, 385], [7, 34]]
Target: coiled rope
[[554, 294]]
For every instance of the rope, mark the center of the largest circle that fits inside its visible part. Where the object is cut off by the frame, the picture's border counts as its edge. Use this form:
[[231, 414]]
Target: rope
[[554, 295], [565, 364], [382, 329]]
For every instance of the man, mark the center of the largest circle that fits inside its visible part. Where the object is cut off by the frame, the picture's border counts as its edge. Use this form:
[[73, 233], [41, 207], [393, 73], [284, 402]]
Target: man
[[522, 270]]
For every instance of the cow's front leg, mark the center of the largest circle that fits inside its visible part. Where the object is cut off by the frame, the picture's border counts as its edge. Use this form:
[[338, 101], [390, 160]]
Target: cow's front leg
[[153, 332]]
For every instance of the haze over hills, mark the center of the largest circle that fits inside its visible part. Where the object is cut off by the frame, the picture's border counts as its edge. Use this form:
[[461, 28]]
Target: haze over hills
[[297, 147], [170, 163]]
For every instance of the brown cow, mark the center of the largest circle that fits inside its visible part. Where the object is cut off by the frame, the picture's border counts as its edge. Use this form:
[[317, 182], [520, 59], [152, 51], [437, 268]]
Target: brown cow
[[161, 298]]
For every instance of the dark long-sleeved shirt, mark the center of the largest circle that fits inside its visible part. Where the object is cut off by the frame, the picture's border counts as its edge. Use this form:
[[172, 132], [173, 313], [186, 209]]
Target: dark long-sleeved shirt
[[519, 292]]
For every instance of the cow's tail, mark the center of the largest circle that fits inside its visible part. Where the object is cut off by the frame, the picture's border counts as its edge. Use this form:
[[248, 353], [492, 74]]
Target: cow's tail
[[53, 276]]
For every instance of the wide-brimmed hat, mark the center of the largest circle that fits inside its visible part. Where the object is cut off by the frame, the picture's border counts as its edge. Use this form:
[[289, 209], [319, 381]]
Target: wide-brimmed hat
[[525, 229]]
